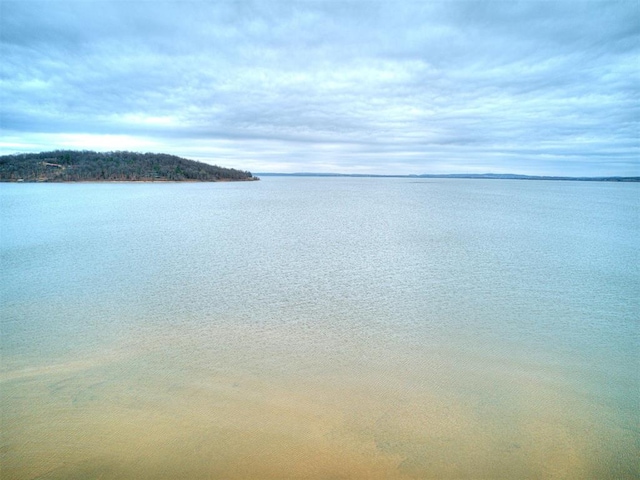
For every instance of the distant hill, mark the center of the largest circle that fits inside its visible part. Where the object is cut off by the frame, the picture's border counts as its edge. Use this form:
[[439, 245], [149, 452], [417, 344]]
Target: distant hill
[[499, 176], [81, 166]]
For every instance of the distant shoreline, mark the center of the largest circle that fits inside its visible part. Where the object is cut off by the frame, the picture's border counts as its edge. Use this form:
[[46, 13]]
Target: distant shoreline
[[484, 176]]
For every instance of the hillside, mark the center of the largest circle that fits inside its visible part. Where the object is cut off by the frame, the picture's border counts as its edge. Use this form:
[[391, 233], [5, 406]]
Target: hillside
[[80, 166]]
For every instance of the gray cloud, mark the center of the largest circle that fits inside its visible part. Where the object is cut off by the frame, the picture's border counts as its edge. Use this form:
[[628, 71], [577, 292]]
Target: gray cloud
[[381, 87]]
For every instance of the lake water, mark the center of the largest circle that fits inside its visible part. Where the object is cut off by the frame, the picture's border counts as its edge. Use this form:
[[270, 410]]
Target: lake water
[[320, 328]]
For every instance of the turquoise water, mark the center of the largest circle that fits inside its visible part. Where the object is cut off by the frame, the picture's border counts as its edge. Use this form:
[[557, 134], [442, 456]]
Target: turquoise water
[[321, 328]]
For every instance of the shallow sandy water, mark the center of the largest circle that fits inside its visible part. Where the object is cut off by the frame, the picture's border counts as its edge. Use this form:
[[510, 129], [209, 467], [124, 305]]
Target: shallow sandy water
[[147, 412]]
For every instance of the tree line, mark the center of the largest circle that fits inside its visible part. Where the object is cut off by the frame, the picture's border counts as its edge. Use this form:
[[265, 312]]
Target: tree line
[[77, 166]]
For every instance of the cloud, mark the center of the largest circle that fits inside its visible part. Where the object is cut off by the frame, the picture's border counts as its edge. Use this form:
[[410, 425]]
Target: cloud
[[408, 87]]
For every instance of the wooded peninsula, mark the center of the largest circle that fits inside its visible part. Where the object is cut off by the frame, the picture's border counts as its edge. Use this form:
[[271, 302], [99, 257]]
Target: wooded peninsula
[[88, 166]]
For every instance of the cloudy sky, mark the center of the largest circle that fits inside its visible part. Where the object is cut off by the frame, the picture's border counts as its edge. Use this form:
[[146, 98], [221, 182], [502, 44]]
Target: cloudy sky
[[329, 86]]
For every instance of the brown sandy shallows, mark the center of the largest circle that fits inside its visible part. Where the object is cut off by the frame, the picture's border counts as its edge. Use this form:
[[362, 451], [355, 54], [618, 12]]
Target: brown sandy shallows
[[153, 415]]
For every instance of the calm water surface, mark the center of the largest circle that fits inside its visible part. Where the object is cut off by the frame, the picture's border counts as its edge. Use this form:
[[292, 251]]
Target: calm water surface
[[320, 328]]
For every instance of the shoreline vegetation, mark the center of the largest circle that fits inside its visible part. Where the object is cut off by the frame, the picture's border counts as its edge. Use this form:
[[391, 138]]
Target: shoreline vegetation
[[119, 166], [124, 166]]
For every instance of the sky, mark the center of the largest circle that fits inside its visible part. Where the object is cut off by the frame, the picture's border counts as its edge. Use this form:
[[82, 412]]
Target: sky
[[381, 87]]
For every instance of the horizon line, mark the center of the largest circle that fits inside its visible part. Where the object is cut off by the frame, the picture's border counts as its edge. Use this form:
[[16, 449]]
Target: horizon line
[[504, 176]]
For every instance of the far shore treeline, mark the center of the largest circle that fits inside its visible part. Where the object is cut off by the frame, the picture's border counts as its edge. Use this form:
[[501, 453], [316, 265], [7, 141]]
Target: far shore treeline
[[88, 166]]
